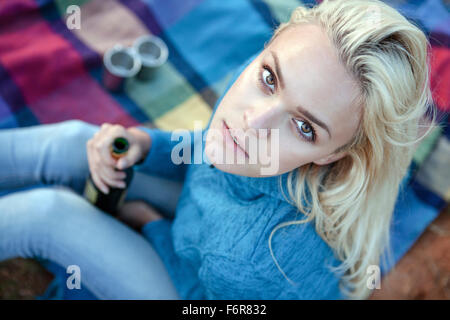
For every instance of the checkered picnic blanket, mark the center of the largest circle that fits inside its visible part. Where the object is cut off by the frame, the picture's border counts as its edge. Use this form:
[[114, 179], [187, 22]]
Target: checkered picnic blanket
[[49, 73]]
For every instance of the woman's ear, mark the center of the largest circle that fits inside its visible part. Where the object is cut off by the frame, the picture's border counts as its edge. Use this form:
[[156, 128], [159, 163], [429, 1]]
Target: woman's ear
[[330, 158]]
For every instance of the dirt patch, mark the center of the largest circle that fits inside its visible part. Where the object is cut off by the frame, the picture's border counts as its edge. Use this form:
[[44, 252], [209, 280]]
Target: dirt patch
[[23, 279]]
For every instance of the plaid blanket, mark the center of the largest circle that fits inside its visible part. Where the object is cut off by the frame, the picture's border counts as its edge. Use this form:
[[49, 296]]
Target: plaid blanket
[[49, 73]]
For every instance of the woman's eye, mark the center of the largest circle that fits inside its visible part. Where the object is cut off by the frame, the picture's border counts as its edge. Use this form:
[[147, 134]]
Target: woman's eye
[[305, 129], [268, 78]]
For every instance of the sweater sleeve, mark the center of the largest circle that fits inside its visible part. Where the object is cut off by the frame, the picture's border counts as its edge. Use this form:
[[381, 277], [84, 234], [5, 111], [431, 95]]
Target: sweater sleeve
[[166, 156], [158, 233]]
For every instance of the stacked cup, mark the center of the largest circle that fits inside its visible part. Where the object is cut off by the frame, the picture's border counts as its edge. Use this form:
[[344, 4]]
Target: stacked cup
[[120, 63]]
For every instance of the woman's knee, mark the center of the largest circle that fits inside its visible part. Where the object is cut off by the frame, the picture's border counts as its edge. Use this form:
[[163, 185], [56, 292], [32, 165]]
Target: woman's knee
[[75, 132], [66, 160], [44, 205], [69, 139]]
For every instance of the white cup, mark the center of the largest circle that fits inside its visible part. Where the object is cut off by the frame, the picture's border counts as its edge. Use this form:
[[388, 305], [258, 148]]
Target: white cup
[[119, 63], [153, 53]]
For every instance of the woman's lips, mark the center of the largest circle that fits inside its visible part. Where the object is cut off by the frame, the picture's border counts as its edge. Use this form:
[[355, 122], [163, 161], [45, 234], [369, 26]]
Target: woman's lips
[[227, 134]]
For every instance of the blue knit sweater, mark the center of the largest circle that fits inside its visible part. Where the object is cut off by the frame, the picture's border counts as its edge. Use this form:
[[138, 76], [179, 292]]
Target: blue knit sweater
[[217, 245]]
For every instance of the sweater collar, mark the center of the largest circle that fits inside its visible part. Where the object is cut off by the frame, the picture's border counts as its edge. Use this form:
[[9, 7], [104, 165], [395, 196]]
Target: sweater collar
[[252, 187]]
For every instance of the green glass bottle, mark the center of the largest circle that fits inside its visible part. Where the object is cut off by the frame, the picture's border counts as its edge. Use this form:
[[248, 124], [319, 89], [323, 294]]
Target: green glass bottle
[[110, 202]]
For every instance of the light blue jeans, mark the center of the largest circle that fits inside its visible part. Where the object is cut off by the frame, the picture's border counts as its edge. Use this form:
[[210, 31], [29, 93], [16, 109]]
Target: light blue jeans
[[53, 221]]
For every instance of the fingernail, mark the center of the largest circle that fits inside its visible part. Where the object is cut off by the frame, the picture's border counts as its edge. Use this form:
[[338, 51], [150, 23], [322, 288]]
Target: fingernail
[[122, 164]]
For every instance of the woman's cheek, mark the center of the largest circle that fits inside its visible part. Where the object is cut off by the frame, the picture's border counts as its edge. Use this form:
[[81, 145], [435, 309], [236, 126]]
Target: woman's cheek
[[294, 159]]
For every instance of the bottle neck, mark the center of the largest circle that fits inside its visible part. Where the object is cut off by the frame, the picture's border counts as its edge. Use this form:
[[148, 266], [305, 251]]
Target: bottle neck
[[119, 148]]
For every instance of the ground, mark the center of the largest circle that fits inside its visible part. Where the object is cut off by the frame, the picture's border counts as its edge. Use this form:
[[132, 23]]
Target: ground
[[22, 279]]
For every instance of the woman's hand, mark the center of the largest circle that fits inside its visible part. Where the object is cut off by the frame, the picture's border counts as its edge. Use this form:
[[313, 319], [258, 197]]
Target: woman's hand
[[102, 164]]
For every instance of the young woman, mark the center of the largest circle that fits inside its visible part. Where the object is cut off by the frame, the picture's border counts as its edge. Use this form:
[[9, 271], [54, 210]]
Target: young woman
[[337, 94]]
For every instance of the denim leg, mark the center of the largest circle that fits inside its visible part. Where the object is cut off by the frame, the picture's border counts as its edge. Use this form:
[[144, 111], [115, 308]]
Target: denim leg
[[51, 154], [57, 224], [54, 223], [55, 154]]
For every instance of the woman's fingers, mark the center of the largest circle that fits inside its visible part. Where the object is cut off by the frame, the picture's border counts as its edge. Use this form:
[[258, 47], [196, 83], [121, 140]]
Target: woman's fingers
[[101, 163], [105, 177], [105, 172], [102, 146], [111, 177], [133, 155], [92, 166], [99, 183]]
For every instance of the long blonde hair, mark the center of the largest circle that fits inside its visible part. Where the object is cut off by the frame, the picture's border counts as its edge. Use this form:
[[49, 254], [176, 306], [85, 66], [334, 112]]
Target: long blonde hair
[[352, 200]]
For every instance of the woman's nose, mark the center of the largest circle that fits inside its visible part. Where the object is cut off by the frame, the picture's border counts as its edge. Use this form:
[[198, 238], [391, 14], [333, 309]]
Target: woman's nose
[[260, 118]]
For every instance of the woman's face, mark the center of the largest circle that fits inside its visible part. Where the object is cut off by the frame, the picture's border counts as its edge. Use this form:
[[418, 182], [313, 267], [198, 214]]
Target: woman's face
[[292, 105]]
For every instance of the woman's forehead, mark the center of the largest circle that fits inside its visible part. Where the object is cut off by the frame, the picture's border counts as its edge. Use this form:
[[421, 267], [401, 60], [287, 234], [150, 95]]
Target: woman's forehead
[[306, 55]]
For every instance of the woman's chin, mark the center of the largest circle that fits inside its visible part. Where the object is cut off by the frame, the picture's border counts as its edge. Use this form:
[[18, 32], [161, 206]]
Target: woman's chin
[[217, 156], [239, 169]]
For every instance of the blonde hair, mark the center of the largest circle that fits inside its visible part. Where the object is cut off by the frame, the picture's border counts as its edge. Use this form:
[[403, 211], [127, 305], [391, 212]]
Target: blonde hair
[[352, 200]]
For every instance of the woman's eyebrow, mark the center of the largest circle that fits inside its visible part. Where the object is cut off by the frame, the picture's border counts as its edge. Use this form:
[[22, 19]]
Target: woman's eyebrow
[[313, 119], [299, 109], [277, 69]]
